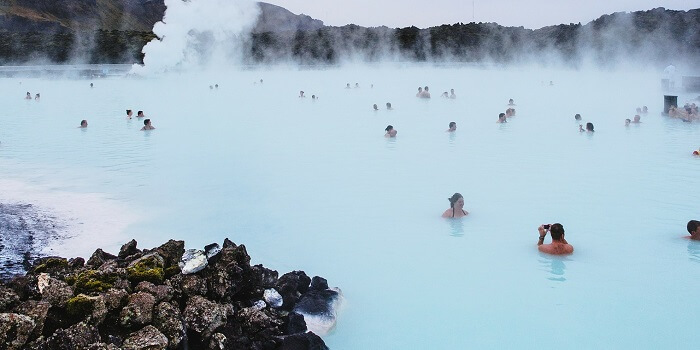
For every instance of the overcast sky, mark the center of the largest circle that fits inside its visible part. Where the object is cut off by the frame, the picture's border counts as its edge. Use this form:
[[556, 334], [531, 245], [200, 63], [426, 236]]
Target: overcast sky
[[427, 13]]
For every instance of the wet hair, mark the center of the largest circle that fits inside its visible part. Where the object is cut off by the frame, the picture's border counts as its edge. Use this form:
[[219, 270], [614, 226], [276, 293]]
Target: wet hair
[[83, 122], [557, 231], [589, 126], [146, 121], [455, 197], [452, 124], [139, 112], [388, 128], [375, 106], [425, 88], [501, 115], [628, 120], [577, 116], [388, 105], [128, 111], [693, 226]]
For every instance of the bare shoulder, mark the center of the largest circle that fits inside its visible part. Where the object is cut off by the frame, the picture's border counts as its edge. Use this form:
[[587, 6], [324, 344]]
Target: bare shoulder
[[447, 213]]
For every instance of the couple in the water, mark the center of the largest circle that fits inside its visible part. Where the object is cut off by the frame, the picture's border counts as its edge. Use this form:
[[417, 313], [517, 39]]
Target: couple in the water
[[559, 245]]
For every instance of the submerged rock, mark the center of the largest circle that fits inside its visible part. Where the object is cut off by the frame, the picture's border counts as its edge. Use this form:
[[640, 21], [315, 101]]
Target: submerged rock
[[319, 308]]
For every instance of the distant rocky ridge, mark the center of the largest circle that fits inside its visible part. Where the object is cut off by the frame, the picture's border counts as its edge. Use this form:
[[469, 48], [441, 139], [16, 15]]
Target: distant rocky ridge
[[115, 31], [122, 15]]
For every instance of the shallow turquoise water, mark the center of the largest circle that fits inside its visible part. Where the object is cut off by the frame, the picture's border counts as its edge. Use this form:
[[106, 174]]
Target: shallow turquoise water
[[314, 185]]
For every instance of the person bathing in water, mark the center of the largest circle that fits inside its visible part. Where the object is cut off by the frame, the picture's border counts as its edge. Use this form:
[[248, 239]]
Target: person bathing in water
[[456, 207], [390, 131], [452, 127], [147, 125], [83, 124]]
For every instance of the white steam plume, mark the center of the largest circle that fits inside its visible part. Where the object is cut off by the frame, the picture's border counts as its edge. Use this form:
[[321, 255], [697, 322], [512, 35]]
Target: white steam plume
[[197, 32]]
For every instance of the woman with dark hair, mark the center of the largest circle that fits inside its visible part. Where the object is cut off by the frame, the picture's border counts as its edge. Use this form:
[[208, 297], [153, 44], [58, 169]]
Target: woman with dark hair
[[589, 127], [456, 207]]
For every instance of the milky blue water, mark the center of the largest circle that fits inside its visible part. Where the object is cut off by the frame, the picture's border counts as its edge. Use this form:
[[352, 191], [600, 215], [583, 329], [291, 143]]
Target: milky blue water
[[314, 185]]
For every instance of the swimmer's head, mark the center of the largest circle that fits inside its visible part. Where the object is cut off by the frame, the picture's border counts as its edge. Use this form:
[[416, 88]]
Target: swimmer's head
[[83, 123], [693, 226], [375, 107], [139, 113], [589, 126], [455, 197], [577, 116], [510, 101], [636, 118], [389, 128], [420, 89], [129, 112], [388, 105], [627, 121], [557, 231], [147, 122], [501, 116], [425, 88], [453, 125]]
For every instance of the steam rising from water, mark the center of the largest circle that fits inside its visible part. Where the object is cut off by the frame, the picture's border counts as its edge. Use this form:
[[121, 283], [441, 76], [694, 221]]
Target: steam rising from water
[[196, 33]]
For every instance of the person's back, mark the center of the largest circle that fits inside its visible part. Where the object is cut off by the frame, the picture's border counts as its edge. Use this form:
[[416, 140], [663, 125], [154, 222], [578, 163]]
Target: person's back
[[559, 245]]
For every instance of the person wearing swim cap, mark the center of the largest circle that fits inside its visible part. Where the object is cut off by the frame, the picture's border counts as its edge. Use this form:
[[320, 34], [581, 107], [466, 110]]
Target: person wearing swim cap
[[559, 245], [456, 207]]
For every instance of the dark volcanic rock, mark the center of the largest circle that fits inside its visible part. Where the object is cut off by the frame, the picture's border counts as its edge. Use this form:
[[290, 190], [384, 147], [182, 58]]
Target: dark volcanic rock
[[147, 338], [99, 257], [168, 320], [78, 336], [37, 310], [139, 310], [15, 330], [291, 285], [172, 252], [204, 316], [8, 298], [128, 249], [295, 323], [160, 292], [303, 341]]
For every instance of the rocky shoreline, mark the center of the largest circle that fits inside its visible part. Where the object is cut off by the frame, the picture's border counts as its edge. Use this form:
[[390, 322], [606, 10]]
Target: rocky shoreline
[[165, 298]]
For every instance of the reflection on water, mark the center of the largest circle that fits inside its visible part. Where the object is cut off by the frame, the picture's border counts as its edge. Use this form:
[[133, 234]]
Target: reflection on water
[[391, 143], [694, 251], [456, 227], [556, 267], [452, 138]]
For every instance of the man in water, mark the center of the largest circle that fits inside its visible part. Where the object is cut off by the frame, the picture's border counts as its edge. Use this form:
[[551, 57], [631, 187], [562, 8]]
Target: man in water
[[129, 113], [559, 245], [375, 107], [694, 230], [577, 116], [511, 102], [83, 124], [147, 125], [29, 96], [420, 92], [388, 106], [140, 114], [636, 119], [627, 122], [452, 94], [452, 127], [502, 118], [390, 131]]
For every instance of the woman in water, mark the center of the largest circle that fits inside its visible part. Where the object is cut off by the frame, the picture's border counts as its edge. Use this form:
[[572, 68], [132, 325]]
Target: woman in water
[[589, 128], [456, 207]]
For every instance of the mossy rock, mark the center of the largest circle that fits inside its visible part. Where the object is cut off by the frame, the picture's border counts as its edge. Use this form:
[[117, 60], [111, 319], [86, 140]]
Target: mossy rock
[[148, 268], [171, 271], [51, 264], [92, 281], [80, 305]]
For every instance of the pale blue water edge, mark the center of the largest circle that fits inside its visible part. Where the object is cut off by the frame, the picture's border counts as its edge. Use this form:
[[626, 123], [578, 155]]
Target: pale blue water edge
[[314, 186]]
